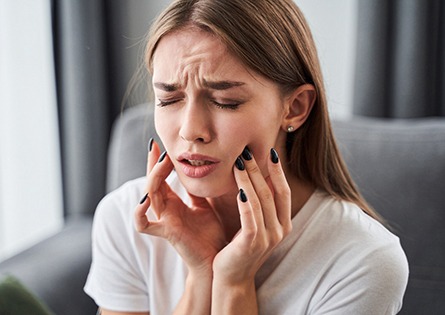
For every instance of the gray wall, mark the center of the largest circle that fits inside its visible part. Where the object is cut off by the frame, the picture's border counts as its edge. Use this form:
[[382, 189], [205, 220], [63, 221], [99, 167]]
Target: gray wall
[[128, 24]]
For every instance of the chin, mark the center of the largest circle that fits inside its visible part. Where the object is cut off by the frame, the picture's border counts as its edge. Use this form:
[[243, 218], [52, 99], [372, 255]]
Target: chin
[[208, 188]]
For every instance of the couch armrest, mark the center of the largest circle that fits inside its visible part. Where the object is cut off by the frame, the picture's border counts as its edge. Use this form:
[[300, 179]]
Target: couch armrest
[[55, 269]]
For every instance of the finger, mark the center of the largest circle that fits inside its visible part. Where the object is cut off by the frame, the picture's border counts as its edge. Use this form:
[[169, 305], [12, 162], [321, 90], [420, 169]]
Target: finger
[[160, 171], [282, 193], [244, 182], [140, 214], [152, 157], [157, 188], [262, 190], [153, 154], [248, 223], [141, 221]]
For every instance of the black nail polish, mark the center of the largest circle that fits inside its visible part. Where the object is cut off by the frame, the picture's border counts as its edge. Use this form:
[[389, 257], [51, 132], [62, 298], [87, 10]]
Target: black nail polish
[[242, 195], [150, 144], [240, 164], [143, 199], [247, 155], [162, 157], [274, 156]]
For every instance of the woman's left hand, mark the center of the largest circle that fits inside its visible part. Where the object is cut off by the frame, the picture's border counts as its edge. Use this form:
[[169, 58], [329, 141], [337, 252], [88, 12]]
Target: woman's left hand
[[265, 210]]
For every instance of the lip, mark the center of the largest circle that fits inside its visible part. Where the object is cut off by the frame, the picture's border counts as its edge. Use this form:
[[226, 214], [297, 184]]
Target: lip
[[197, 171]]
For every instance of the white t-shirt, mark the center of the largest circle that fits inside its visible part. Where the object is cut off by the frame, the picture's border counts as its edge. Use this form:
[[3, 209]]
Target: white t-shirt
[[337, 260]]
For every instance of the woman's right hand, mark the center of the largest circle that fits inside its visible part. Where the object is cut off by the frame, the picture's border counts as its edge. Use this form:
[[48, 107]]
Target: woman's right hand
[[195, 232]]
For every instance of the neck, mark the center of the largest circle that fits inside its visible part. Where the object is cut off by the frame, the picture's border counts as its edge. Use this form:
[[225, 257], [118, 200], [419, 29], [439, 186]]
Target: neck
[[227, 208]]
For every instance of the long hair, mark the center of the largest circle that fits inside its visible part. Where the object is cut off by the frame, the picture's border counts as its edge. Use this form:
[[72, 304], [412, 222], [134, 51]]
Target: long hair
[[272, 38]]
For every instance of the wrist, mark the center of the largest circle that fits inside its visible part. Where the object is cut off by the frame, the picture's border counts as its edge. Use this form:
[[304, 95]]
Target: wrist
[[241, 286], [197, 295], [230, 297]]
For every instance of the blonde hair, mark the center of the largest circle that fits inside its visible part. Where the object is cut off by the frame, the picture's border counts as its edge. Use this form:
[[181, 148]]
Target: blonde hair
[[272, 38]]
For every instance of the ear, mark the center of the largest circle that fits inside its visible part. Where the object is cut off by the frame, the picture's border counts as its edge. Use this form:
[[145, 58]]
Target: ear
[[298, 106]]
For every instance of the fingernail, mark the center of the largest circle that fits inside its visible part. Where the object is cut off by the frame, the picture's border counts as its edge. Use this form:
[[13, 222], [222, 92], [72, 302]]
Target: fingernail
[[247, 155], [274, 156], [239, 164], [242, 195], [143, 199], [162, 157], [150, 144]]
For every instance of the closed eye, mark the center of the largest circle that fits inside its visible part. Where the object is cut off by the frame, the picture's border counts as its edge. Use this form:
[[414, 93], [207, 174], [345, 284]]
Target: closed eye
[[231, 106], [163, 103]]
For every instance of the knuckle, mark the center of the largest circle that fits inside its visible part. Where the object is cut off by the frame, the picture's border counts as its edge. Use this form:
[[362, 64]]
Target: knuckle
[[255, 203], [266, 194], [284, 191], [275, 171], [253, 168], [139, 227], [262, 245], [250, 234], [244, 211], [276, 237], [287, 228]]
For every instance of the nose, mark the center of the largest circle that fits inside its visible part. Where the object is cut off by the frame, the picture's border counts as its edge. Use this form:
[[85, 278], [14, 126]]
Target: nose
[[195, 123]]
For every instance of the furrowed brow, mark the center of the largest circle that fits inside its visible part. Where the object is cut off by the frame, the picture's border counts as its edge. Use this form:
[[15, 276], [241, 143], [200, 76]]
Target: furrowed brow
[[222, 85], [166, 86]]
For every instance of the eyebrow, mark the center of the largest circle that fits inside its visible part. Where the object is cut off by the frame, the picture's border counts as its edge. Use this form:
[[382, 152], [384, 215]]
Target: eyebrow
[[214, 85], [166, 86], [222, 85]]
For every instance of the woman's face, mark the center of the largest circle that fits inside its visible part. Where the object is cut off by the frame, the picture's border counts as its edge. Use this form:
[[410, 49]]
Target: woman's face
[[209, 107]]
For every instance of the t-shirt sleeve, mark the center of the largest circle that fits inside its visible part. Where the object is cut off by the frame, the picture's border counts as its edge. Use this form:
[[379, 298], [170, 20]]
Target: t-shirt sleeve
[[115, 280], [374, 285]]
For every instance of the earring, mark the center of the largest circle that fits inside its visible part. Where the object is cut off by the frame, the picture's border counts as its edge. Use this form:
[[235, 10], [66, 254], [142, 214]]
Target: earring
[[290, 128]]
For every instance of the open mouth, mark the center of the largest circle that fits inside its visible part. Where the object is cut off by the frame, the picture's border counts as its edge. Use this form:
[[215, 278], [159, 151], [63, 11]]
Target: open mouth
[[196, 165], [197, 162]]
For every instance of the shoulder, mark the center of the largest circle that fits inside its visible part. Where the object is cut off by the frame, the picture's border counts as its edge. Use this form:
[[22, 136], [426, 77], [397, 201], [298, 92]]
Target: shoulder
[[126, 264], [366, 257], [345, 226], [347, 219], [114, 218], [337, 260], [120, 203]]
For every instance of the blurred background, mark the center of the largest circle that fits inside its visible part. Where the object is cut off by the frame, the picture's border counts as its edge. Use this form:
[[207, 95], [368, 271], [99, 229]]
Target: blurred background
[[68, 68]]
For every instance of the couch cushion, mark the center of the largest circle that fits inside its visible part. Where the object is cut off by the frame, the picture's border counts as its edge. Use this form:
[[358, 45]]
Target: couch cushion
[[55, 270], [128, 145], [399, 166]]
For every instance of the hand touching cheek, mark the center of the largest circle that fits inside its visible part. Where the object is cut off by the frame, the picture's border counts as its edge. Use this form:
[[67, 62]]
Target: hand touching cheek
[[265, 211]]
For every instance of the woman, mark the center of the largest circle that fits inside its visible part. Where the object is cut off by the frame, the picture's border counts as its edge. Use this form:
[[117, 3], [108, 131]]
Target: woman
[[260, 215]]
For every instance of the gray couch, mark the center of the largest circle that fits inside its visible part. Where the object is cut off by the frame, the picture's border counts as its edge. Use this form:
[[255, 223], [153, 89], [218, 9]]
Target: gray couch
[[399, 166]]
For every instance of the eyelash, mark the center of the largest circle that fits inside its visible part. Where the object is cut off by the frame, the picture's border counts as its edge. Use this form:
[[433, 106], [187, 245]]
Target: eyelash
[[165, 103], [231, 106]]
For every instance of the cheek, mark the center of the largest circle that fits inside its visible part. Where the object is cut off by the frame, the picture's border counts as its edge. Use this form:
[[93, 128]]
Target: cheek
[[234, 134], [165, 127], [261, 138]]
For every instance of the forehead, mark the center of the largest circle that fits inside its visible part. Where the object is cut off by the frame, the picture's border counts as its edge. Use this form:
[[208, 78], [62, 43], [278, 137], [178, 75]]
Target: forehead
[[194, 51], [191, 40]]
